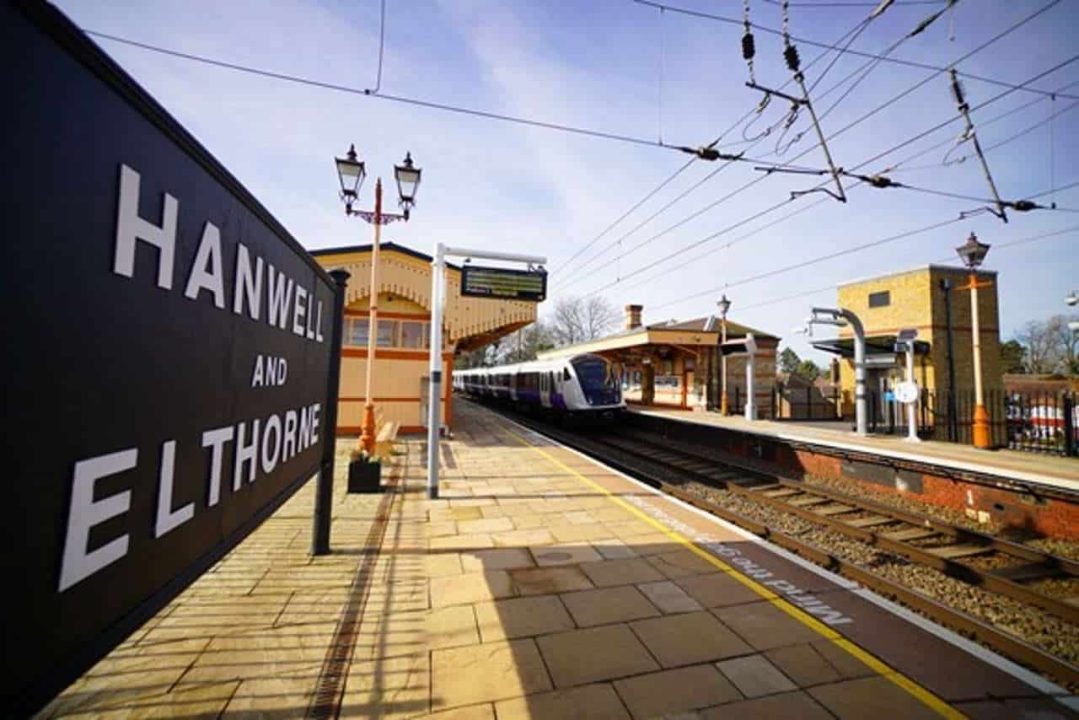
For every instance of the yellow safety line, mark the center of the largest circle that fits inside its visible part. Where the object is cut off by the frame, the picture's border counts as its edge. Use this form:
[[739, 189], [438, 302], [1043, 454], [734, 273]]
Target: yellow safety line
[[920, 693]]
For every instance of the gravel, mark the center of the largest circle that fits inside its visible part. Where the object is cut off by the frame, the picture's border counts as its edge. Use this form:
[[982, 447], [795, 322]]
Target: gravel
[[1037, 627]]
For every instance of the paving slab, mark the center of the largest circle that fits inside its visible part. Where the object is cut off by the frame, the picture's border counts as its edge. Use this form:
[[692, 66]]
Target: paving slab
[[579, 657], [541, 585], [671, 692]]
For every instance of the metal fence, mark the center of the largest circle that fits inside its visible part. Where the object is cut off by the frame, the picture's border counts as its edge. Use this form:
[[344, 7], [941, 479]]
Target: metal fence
[[1040, 422]]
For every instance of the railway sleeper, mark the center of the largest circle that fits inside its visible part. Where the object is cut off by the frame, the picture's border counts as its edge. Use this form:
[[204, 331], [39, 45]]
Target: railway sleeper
[[910, 533], [953, 552], [1028, 572], [808, 501], [870, 521]]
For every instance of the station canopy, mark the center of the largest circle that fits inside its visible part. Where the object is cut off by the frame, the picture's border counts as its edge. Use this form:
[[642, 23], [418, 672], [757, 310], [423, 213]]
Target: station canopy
[[877, 345]]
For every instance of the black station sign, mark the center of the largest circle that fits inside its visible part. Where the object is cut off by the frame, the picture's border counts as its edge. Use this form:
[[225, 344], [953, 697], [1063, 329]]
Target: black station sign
[[504, 283], [166, 356]]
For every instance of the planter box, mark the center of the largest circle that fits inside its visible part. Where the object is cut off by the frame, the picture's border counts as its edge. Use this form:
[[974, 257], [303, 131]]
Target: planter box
[[364, 477]]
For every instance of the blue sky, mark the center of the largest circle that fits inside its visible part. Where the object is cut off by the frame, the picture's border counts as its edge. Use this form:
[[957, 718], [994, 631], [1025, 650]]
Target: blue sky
[[599, 65]]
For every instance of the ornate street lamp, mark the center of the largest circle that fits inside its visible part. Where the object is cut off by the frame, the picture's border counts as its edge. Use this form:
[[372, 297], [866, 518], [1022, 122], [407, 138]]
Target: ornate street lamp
[[408, 179], [973, 253], [351, 173], [724, 305]]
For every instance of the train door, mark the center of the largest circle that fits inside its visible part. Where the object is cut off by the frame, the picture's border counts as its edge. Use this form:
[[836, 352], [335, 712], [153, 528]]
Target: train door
[[545, 389]]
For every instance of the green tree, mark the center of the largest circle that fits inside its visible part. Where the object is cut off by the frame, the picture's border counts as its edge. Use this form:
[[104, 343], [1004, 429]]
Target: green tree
[[1011, 357], [789, 361], [808, 369]]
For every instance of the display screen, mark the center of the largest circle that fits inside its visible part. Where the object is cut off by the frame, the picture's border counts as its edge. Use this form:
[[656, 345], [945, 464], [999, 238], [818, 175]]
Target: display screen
[[504, 283]]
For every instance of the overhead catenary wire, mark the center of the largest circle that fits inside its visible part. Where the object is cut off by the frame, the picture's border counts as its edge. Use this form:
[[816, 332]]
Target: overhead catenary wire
[[576, 275], [381, 47], [559, 278], [821, 258], [861, 53], [402, 99], [849, 126], [766, 211], [997, 246]]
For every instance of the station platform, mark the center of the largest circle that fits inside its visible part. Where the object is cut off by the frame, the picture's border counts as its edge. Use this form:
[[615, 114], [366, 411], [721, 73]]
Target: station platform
[[1042, 469], [540, 585]]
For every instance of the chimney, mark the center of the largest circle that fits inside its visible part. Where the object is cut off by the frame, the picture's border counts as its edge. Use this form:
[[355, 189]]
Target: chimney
[[633, 316]]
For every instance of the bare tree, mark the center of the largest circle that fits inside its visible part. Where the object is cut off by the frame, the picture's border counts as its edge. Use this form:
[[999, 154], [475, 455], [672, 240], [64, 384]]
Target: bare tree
[[527, 343], [1040, 346], [1065, 342], [581, 319]]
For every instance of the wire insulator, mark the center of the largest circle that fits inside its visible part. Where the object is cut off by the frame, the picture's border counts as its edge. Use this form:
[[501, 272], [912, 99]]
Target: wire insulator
[[748, 47], [1024, 205], [957, 89], [790, 53]]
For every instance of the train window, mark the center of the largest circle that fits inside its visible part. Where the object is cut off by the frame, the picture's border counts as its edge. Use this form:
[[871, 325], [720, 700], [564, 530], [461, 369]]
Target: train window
[[551, 381], [565, 374]]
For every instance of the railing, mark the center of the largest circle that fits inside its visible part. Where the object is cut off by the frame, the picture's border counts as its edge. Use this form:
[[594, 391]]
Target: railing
[[1040, 422]]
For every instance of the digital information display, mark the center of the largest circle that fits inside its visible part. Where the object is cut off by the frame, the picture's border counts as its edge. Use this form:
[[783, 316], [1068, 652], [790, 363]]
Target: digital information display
[[504, 283]]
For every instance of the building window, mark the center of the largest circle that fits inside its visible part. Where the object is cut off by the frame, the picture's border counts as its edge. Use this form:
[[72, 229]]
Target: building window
[[412, 335], [391, 333], [880, 299], [356, 331]]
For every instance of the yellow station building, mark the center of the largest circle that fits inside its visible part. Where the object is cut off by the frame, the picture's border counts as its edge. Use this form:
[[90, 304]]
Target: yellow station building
[[404, 321], [916, 299]]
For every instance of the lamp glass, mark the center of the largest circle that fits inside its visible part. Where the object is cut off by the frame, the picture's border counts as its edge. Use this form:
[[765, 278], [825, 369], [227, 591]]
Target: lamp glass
[[973, 252], [724, 305], [350, 172], [408, 179]]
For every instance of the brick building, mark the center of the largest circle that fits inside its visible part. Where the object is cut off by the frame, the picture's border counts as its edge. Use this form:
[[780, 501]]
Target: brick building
[[917, 299]]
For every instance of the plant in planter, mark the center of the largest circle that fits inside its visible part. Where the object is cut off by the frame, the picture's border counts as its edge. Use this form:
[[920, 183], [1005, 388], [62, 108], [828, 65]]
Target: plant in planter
[[364, 473]]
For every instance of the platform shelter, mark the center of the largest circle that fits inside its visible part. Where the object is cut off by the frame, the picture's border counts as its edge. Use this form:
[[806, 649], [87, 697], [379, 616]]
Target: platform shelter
[[676, 363], [404, 320]]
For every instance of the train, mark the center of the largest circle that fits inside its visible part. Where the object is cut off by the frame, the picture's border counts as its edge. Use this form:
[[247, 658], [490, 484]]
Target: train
[[582, 387]]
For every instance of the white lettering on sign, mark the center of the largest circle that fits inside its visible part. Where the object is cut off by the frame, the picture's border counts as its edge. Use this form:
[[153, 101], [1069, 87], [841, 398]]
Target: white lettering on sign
[[131, 228], [269, 371], [215, 440], [289, 306], [206, 270], [248, 283], [273, 447], [167, 519], [85, 512]]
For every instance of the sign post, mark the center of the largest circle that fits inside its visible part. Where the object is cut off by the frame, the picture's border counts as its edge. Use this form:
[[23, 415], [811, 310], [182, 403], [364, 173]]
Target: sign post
[[509, 284], [907, 392]]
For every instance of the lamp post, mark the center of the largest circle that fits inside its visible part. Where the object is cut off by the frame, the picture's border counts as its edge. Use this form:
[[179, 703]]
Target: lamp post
[[724, 305], [351, 173], [973, 253]]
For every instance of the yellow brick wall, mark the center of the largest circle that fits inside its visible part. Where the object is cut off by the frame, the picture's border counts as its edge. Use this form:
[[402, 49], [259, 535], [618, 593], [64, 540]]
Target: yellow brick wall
[[918, 302]]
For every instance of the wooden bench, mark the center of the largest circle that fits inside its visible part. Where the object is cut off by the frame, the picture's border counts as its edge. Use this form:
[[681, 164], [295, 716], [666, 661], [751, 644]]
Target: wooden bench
[[384, 439]]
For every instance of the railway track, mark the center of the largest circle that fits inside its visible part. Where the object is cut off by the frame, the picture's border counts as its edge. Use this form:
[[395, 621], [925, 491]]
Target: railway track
[[997, 565], [978, 559]]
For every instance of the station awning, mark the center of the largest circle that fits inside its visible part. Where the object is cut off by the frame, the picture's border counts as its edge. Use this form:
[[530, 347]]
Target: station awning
[[878, 345]]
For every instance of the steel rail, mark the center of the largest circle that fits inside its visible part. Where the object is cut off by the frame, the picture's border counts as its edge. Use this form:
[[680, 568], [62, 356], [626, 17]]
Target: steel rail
[[1049, 565]]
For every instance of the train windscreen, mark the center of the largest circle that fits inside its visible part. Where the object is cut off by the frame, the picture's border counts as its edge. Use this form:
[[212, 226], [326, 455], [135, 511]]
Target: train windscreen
[[598, 381]]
